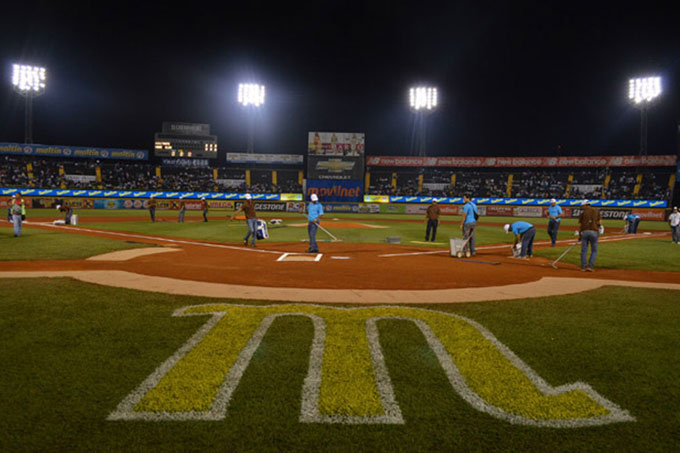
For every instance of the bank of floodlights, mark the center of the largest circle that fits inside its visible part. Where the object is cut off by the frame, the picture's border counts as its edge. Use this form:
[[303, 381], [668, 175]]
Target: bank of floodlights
[[251, 94], [423, 98], [28, 80], [644, 89]]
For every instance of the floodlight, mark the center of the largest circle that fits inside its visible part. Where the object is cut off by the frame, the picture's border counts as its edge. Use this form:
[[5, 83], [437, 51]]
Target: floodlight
[[251, 94], [423, 98], [28, 79], [644, 89]]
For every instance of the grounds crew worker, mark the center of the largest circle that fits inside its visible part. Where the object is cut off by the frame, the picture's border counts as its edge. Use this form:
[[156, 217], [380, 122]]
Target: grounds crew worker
[[432, 216], [182, 211], [555, 214], [525, 232], [469, 223], [16, 216], [674, 222], [204, 206], [589, 227], [248, 208], [152, 208], [314, 213]]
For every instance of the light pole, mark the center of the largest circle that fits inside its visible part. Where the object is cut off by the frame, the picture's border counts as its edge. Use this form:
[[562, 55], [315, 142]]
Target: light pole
[[641, 92], [423, 101], [251, 96], [28, 81]]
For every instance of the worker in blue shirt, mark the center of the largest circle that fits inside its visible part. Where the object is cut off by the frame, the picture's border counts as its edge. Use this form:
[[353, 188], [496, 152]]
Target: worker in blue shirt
[[314, 213], [555, 215], [525, 232], [632, 222], [468, 224]]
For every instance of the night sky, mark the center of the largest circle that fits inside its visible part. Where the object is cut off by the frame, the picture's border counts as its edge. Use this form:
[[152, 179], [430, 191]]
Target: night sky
[[544, 78]]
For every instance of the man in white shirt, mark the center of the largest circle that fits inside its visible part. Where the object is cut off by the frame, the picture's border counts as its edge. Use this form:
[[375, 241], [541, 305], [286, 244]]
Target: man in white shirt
[[674, 222]]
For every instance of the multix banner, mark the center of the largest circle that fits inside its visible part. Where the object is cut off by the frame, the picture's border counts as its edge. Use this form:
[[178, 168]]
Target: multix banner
[[86, 152], [148, 194], [518, 201], [505, 162]]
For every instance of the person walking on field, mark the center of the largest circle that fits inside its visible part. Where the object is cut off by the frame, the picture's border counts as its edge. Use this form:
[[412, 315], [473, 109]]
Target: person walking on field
[[555, 214], [432, 218], [589, 227], [16, 217], [152, 208], [314, 213], [182, 211], [248, 208], [204, 206], [524, 232], [469, 223], [674, 222]]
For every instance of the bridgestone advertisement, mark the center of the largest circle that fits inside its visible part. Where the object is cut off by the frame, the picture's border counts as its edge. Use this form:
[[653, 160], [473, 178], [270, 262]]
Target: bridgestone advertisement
[[264, 206], [604, 213]]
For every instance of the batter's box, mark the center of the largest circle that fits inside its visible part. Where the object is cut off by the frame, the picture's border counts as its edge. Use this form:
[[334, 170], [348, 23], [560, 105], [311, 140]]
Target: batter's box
[[300, 257]]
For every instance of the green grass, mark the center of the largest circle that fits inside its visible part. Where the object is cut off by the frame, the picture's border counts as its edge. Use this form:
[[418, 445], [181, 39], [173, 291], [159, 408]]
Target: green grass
[[38, 244], [644, 254], [72, 351]]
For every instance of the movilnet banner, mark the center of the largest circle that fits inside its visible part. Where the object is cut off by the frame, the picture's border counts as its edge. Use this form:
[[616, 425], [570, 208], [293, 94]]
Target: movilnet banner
[[505, 162], [23, 149], [335, 191]]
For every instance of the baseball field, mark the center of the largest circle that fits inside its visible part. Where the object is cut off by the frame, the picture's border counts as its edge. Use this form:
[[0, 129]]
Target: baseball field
[[123, 334]]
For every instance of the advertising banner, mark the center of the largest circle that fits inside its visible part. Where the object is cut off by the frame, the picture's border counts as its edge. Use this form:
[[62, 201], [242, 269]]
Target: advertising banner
[[81, 178], [528, 211], [422, 209], [393, 208], [267, 159], [146, 194], [264, 206], [604, 213], [341, 207], [335, 155], [505, 162], [501, 211], [339, 191], [23, 149], [651, 214], [189, 163]]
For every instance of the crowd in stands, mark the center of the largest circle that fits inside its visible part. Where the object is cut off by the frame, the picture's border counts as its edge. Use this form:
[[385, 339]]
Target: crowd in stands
[[611, 183], [593, 183]]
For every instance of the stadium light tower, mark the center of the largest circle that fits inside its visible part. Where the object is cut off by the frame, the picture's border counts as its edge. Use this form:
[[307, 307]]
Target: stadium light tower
[[28, 81], [251, 96], [641, 92], [423, 101]]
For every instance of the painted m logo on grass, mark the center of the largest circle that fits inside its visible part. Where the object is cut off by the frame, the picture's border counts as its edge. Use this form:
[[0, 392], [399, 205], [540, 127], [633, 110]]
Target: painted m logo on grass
[[197, 382]]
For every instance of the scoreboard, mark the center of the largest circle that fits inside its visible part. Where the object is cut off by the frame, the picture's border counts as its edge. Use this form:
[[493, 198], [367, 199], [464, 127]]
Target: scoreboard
[[186, 141]]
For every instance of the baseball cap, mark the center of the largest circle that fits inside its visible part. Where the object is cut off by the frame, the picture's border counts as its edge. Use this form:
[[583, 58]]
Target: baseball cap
[[675, 208], [552, 200], [507, 228], [585, 202], [314, 197], [248, 196], [434, 200]]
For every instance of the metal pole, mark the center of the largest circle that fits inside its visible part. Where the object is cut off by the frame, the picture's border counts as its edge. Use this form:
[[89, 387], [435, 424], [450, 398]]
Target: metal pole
[[643, 130], [28, 120], [251, 131]]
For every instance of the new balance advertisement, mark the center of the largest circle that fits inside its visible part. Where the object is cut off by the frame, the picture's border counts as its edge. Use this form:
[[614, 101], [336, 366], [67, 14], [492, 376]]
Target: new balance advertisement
[[335, 155], [337, 191]]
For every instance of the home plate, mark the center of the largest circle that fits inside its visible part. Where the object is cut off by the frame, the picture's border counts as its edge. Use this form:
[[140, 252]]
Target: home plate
[[300, 257]]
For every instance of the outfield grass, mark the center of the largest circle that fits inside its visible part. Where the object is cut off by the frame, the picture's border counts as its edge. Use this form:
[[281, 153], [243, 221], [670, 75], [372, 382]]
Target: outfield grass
[[38, 244], [72, 351]]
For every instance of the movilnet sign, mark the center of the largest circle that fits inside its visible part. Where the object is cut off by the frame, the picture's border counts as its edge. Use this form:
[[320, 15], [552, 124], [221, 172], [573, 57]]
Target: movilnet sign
[[504, 162], [23, 149], [335, 190]]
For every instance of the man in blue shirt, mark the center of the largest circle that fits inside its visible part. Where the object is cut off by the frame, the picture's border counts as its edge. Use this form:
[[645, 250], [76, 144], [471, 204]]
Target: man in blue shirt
[[314, 213], [525, 232], [632, 222], [468, 224], [555, 214]]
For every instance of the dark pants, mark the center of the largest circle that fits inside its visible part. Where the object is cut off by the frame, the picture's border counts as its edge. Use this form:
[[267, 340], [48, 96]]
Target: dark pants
[[311, 229], [553, 227], [205, 215], [431, 226], [469, 232], [528, 242], [152, 212], [67, 219], [675, 230], [588, 237], [180, 217]]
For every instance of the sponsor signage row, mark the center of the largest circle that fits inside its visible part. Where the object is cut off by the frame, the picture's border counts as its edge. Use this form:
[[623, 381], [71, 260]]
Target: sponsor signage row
[[268, 159], [147, 194], [23, 149], [631, 204], [504, 162]]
